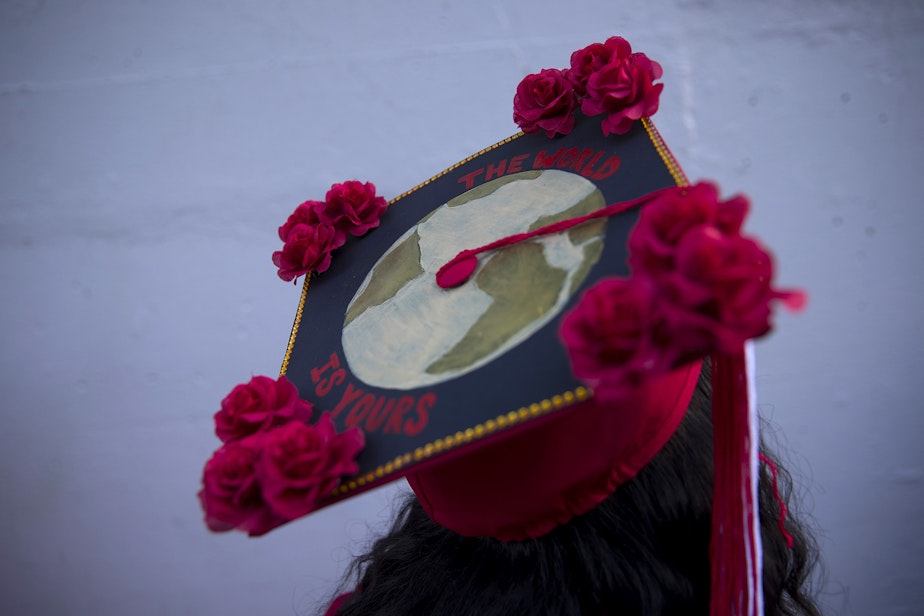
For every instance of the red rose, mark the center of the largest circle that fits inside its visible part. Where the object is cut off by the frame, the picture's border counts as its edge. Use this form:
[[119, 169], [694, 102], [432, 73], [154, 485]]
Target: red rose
[[307, 248], [352, 207], [623, 89], [585, 62], [316, 228], [720, 293], [258, 406], [231, 495], [545, 101], [610, 335], [305, 214], [302, 464], [664, 221]]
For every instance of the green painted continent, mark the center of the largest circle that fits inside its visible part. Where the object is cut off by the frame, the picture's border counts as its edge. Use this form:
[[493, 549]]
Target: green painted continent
[[397, 268]]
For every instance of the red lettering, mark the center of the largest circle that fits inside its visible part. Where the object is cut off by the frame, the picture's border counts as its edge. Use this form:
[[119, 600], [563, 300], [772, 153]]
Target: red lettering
[[405, 403], [326, 385], [585, 154], [359, 410], [588, 170], [495, 171], [334, 363], [378, 414], [542, 161], [426, 402], [469, 178], [516, 163], [568, 157], [608, 168], [349, 396]]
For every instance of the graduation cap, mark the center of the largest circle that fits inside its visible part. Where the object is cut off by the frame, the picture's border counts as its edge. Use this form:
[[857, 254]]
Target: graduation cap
[[517, 336]]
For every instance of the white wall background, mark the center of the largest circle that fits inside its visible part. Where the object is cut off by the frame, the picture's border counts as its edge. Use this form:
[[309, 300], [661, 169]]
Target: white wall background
[[149, 150]]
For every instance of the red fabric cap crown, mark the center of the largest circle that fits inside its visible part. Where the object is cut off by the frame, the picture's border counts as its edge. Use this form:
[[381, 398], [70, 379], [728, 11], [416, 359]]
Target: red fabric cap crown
[[505, 490]]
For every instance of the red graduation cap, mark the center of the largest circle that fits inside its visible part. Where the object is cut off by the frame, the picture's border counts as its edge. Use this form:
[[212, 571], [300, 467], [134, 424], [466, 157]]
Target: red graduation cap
[[517, 336]]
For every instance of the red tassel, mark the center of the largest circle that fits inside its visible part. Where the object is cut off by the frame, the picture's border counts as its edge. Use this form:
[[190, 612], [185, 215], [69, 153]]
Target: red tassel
[[735, 543], [460, 268]]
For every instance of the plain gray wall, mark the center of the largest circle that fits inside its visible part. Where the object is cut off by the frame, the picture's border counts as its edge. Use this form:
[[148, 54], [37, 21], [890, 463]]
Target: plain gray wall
[[150, 149]]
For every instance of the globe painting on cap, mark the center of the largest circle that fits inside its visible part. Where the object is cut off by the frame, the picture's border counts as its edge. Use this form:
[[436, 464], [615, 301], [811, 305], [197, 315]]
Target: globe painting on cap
[[403, 331]]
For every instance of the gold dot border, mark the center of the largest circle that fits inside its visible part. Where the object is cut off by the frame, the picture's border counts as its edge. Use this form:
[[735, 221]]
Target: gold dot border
[[665, 153], [295, 324], [464, 437], [457, 165]]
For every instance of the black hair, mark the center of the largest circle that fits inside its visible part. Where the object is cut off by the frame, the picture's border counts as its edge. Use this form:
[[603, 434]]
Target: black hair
[[643, 551]]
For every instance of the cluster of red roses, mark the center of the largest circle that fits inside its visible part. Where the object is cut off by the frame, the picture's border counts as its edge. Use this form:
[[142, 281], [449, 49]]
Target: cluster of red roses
[[604, 78], [316, 228], [698, 286], [273, 467]]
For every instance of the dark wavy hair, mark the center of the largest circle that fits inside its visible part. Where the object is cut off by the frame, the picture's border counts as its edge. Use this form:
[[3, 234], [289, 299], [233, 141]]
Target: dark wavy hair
[[643, 551]]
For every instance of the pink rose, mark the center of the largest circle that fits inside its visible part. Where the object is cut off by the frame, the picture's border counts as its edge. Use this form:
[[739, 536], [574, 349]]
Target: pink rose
[[307, 248], [665, 220], [720, 294], [302, 464], [258, 406], [316, 228], [545, 101], [352, 207], [305, 214], [611, 335], [623, 89], [231, 495], [585, 62]]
